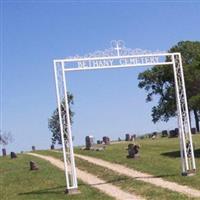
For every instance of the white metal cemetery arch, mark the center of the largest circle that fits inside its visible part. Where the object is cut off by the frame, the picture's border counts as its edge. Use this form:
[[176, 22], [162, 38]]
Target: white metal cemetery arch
[[120, 57]]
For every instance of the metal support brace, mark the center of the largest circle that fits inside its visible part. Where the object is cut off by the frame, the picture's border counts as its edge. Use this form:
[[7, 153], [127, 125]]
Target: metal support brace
[[185, 136]]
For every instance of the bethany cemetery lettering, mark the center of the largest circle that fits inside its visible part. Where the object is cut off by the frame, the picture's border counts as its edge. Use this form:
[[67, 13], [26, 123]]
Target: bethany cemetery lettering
[[118, 56], [118, 62]]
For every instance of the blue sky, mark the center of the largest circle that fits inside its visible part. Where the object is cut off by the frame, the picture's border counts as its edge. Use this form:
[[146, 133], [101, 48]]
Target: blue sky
[[33, 33]]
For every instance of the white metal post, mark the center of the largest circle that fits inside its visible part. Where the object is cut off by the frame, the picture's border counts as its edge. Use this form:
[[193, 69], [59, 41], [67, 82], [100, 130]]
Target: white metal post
[[180, 121], [180, 139], [187, 114], [61, 123], [185, 134], [71, 150]]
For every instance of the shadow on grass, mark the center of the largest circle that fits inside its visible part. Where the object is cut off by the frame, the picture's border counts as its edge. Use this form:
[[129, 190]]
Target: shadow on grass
[[61, 189], [176, 154], [116, 180], [111, 181], [54, 190]]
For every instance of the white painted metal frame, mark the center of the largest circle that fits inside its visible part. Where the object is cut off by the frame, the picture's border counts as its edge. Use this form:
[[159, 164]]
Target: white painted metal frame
[[65, 126], [120, 57]]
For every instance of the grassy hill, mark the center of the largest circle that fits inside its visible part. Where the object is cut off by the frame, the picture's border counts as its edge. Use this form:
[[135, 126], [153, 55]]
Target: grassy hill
[[159, 157], [48, 183]]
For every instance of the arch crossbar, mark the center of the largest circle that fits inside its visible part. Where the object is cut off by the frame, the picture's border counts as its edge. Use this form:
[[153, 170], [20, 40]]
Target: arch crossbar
[[120, 57]]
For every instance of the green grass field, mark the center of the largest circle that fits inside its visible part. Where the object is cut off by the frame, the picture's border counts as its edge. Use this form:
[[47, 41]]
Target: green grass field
[[48, 183], [159, 157], [125, 183], [146, 190]]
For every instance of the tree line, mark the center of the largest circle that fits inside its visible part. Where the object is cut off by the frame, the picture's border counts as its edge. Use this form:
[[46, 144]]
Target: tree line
[[159, 81]]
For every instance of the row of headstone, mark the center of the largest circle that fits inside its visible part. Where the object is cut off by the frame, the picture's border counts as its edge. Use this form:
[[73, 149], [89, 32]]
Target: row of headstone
[[129, 137], [105, 140], [89, 141], [175, 132], [12, 154]]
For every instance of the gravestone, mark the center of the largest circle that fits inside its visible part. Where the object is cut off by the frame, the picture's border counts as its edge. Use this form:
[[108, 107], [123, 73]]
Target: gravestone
[[153, 137], [89, 141], [33, 166], [4, 152], [52, 147], [13, 155], [176, 132], [164, 133], [193, 130], [133, 151], [106, 140], [33, 148], [127, 137], [98, 141], [173, 133], [154, 134], [149, 135], [133, 137]]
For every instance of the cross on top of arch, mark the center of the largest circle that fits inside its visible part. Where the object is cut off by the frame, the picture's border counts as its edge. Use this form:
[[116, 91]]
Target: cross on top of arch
[[118, 45], [117, 48]]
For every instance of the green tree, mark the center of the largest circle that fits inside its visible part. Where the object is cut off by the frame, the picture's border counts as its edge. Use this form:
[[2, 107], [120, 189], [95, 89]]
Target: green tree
[[159, 81], [53, 121]]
